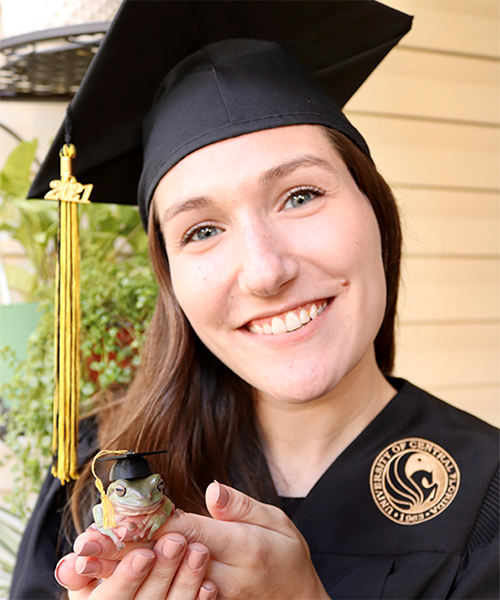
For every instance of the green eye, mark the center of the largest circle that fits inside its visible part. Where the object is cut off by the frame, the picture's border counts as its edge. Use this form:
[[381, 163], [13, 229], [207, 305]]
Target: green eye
[[160, 485]]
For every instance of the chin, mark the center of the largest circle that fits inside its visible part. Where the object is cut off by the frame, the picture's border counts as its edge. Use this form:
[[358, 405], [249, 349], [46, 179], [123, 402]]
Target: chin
[[302, 387], [299, 384]]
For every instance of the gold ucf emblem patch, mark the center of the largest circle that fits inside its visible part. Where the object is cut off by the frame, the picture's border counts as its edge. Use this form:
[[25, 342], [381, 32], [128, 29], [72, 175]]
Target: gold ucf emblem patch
[[413, 480]]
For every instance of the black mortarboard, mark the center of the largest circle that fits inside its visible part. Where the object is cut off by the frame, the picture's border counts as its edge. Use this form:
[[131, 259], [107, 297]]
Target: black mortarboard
[[156, 52], [129, 464]]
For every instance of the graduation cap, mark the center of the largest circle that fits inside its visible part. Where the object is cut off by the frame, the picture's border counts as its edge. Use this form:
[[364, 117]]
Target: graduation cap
[[174, 76], [128, 464]]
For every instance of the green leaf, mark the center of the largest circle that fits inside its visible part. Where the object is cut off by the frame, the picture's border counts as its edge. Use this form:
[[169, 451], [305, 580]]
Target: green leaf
[[20, 280], [15, 176]]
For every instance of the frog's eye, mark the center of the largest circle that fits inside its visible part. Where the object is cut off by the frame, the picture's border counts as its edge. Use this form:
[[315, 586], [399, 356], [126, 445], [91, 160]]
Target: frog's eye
[[160, 485], [120, 490]]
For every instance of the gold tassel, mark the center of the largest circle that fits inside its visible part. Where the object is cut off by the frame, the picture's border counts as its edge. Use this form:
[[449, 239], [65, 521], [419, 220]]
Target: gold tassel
[[107, 508], [67, 322]]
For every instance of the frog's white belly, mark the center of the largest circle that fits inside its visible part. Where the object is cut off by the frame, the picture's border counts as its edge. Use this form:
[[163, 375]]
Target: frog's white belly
[[122, 512]]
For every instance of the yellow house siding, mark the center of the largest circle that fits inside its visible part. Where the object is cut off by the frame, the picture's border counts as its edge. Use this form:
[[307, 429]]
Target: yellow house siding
[[430, 115]]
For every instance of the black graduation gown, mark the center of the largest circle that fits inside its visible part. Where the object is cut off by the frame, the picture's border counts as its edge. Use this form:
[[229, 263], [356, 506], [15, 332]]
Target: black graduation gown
[[378, 525]]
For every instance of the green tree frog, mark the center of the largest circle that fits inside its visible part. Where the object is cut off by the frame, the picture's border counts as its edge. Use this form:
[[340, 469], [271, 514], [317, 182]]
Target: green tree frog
[[140, 498]]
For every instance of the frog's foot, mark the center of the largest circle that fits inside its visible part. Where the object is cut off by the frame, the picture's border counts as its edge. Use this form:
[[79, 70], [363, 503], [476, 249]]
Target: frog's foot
[[153, 523], [111, 533]]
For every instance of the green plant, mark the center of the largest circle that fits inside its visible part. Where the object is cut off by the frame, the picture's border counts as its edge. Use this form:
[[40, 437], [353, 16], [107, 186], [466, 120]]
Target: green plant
[[107, 231], [118, 298], [11, 529], [32, 224]]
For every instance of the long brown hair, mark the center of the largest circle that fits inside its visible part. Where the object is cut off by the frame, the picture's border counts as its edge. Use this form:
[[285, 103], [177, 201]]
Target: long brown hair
[[185, 399]]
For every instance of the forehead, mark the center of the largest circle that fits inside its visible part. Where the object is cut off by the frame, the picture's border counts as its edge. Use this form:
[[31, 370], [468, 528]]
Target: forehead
[[247, 156]]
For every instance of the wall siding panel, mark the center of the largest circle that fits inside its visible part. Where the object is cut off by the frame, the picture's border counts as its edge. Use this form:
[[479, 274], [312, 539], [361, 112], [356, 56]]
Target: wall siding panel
[[430, 116]]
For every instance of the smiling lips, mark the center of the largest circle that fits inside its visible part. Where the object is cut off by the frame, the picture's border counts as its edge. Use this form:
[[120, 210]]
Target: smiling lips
[[289, 321]]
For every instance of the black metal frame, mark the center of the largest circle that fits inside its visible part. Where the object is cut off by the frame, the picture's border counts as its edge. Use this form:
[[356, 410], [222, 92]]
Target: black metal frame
[[48, 64]]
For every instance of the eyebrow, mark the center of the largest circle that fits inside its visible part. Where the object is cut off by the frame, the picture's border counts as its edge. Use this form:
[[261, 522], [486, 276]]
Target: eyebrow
[[191, 204], [269, 176], [308, 160]]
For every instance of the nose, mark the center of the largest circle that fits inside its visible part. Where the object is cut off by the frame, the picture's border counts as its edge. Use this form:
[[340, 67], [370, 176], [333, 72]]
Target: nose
[[265, 264]]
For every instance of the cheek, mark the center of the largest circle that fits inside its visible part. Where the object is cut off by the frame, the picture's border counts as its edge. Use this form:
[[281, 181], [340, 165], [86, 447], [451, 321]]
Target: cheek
[[198, 288], [360, 250], [371, 277]]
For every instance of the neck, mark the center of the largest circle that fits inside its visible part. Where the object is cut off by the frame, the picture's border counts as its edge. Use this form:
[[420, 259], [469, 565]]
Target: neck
[[303, 439]]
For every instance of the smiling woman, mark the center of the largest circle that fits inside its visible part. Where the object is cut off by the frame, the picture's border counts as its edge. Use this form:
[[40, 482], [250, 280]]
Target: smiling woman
[[305, 469], [266, 260]]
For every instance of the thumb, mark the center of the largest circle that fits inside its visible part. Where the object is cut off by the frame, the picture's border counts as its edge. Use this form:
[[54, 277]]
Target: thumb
[[224, 503]]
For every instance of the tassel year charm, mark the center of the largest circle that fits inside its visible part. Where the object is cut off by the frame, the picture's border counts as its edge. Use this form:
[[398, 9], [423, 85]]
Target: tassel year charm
[[67, 323]]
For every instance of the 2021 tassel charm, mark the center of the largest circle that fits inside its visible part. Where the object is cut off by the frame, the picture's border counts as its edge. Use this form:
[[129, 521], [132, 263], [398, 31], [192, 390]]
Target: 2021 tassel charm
[[69, 192]]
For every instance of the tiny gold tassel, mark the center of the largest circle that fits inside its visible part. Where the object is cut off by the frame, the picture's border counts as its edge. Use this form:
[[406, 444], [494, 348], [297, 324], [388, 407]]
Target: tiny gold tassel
[[107, 508], [67, 319]]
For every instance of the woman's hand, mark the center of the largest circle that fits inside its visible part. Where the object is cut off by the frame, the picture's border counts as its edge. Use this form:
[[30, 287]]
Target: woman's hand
[[256, 551], [171, 570]]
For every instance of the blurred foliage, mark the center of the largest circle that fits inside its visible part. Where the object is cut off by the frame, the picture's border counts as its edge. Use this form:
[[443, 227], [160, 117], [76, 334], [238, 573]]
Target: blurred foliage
[[118, 294], [106, 230], [11, 529]]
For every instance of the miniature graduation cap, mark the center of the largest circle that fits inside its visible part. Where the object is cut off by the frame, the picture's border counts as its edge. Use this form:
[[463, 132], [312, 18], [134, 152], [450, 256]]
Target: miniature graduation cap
[[128, 464], [174, 76]]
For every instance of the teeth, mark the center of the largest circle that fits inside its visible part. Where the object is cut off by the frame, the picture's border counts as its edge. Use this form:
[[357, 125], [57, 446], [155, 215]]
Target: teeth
[[304, 316], [292, 321], [278, 326]]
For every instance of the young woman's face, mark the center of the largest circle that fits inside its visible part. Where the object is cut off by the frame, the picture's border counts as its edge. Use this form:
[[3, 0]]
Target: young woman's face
[[275, 258]]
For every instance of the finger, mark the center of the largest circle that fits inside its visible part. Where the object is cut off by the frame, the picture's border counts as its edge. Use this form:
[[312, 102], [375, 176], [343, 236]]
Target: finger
[[227, 504], [96, 544], [169, 551], [208, 591], [67, 575], [190, 575], [127, 577], [95, 567]]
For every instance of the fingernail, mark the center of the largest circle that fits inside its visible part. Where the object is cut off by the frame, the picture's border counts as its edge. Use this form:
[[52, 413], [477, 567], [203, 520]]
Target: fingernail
[[142, 561], [121, 532], [87, 548], [207, 591], [88, 567], [172, 547], [56, 572], [223, 495], [196, 558]]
